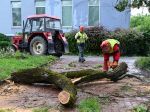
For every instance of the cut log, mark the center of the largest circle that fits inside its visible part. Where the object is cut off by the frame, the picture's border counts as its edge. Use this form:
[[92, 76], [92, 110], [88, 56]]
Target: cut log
[[37, 75], [64, 97]]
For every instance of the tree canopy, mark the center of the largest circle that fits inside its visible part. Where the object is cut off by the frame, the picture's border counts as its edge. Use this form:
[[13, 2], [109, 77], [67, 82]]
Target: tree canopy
[[121, 5]]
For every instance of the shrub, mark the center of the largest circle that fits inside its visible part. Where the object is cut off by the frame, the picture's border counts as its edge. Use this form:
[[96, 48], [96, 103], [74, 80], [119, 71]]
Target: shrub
[[6, 53], [95, 34], [4, 41], [140, 108], [143, 63], [132, 42], [140, 22]]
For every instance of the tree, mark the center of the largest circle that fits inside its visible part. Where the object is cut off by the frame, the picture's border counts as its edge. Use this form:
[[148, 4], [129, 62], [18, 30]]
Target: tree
[[121, 5]]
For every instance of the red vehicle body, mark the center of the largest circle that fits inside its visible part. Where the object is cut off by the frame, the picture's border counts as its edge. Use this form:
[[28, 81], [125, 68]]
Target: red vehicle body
[[41, 34]]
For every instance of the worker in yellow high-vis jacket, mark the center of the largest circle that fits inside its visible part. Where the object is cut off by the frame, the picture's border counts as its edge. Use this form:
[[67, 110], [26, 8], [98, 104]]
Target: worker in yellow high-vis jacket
[[81, 38], [110, 47]]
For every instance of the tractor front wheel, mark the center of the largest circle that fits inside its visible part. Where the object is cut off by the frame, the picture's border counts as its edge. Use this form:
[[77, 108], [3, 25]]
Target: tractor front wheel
[[38, 46]]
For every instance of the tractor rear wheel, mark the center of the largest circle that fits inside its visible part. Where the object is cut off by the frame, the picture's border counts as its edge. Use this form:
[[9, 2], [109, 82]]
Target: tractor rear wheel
[[38, 46], [59, 47]]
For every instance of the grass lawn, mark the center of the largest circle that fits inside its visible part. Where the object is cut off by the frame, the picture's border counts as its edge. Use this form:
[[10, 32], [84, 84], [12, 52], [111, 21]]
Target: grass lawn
[[90, 104], [12, 64]]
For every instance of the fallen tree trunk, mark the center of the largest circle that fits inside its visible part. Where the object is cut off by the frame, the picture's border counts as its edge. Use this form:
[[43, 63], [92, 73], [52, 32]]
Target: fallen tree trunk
[[112, 75], [36, 75], [77, 74], [91, 75], [68, 94]]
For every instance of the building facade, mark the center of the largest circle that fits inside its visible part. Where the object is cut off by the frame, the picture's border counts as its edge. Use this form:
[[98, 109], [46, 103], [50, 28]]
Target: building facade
[[72, 13]]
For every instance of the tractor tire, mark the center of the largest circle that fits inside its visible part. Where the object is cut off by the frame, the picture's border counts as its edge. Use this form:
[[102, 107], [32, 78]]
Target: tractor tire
[[59, 47], [38, 46]]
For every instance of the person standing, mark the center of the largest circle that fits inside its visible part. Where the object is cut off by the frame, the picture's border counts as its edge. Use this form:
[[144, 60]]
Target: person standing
[[81, 38]]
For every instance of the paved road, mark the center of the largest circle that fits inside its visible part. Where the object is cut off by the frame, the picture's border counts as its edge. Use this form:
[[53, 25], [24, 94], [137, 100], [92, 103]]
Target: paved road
[[68, 63]]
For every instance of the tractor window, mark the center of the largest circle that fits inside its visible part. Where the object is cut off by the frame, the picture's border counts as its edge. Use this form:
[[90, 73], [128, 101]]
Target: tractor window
[[52, 23], [38, 24], [28, 26]]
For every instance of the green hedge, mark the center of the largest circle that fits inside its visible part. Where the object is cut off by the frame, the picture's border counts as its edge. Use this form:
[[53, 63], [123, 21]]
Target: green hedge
[[143, 63], [141, 22], [4, 41], [132, 42]]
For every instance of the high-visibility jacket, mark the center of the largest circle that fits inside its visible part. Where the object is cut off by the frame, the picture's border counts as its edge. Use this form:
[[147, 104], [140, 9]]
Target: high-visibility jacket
[[82, 39], [112, 42]]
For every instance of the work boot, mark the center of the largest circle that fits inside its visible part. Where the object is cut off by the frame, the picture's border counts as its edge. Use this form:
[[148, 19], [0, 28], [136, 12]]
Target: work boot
[[81, 60]]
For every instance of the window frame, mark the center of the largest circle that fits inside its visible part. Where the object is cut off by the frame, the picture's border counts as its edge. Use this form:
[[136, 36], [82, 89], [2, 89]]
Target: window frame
[[42, 6], [71, 13], [97, 5], [17, 26]]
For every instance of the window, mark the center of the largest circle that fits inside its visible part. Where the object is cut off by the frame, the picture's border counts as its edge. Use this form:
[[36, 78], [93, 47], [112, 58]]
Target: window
[[40, 6], [67, 13], [16, 13], [40, 26], [52, 23], [93, 12]]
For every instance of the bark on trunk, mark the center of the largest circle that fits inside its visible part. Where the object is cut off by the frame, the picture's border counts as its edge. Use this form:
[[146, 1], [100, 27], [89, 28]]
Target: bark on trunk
[[112, 75], [37, 75], [68, 94]]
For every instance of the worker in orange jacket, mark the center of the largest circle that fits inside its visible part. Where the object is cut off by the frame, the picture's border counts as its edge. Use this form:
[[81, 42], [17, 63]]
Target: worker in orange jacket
[[110, 47]]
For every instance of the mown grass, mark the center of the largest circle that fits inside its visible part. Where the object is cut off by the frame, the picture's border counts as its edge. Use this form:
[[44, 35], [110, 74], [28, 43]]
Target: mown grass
[[143, 63], [90, 104], [21, 61], [6, 110], [43, 109]]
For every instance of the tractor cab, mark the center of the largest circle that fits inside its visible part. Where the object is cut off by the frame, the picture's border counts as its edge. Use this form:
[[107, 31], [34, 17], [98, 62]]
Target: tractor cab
[[42, 24], [42, 34]]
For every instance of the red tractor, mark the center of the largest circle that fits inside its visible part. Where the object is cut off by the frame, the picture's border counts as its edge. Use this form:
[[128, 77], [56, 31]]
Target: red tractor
[[41, 34]]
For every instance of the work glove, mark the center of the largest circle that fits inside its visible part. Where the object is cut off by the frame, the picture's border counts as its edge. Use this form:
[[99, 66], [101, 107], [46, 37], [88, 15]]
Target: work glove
[[109, 64], [114, 65]]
